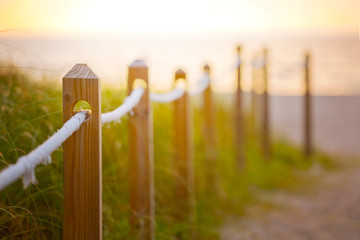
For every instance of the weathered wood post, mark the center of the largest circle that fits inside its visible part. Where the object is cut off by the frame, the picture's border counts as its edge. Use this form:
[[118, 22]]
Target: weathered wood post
[[82, 158], [253, 98], [141, 162], [307, 108], [183, 156], [239, 119], [209, 120], [209, 135], [266, 144]]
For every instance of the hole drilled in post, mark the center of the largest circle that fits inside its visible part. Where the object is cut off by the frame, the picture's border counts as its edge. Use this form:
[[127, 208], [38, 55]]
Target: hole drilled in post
[[138, 82], [81, 105], [180, 83]]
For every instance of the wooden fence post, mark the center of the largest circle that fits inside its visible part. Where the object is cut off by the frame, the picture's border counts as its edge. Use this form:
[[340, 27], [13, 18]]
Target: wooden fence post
[[209, 136], [183, 156], [307, 108], [253, 98], [82, 158], [142, 200], [265, 121], [209, 119], [239, 119]]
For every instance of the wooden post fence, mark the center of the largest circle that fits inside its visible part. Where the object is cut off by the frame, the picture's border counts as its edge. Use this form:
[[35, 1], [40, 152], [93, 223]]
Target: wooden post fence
[[183, 155], [266, 145], [82, 150], [209, 134], [142, 200], [307, 108], [239, 119], [209, 119], [82, 158], [253, 99]]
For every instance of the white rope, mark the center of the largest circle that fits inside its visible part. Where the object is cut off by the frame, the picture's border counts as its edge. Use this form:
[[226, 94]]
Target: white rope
[[177, 93], [238, 62], [288, 70], [25, 165], [202, 84], [173, 95], [129, 103], [258, 63]]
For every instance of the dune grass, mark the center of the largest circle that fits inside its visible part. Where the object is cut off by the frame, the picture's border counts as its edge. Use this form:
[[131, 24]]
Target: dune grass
[[31, 111]]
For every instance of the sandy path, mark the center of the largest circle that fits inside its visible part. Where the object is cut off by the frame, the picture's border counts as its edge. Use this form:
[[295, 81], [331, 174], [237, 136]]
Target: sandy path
[[336, 126], [329, 209]]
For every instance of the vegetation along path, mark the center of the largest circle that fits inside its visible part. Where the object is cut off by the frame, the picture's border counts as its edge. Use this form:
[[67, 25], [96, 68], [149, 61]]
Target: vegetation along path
[[328, 208]]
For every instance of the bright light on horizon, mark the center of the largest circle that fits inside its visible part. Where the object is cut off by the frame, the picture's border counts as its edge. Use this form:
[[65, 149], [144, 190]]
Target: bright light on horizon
[[165, 16]]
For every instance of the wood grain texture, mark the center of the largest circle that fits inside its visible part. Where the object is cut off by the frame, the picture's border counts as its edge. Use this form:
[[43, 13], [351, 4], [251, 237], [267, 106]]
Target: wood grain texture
[[142, 203], [183, 156], [239, 118], [307, 108], [82, 158]]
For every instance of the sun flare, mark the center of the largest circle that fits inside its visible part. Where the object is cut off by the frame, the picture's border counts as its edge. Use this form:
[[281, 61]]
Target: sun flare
[[164, 16]]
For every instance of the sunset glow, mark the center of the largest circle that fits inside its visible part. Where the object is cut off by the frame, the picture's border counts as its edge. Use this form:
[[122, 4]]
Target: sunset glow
[[163, 16]]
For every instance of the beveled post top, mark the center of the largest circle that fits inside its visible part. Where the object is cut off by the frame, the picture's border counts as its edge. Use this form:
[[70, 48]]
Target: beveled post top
[[138, 63], [238, 50], [80, 71], [206, 68], [180, 74]]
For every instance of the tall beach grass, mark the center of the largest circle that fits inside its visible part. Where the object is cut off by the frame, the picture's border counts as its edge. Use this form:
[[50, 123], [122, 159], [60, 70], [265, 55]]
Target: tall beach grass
[[32, 110]]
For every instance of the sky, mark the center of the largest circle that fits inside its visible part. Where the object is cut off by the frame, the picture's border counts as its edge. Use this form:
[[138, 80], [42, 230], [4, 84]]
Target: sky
[[184, 17]]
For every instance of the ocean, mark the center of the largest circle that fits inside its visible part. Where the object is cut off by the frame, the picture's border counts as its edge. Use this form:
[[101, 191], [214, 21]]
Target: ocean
[[335, 68]]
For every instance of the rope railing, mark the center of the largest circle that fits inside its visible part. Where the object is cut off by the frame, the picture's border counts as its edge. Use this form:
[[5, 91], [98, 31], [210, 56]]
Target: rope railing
[[177, 93], [258, 62], [288, 68], [201, 85], [170, 96], [25, 165], [129, 103], [239, 62], [82, 151]]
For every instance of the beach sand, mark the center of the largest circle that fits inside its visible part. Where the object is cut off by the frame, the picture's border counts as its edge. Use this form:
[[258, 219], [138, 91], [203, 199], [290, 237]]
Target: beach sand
[[336, 122], [328, 207]]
